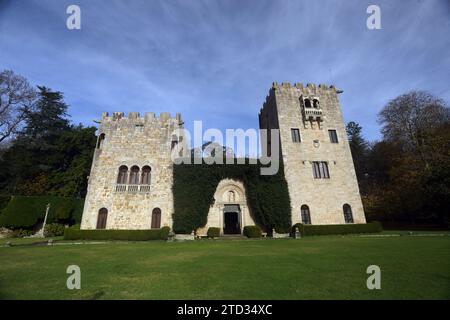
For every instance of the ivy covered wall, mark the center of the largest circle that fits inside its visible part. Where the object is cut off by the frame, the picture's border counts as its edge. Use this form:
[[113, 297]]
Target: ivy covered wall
[[195, 184]]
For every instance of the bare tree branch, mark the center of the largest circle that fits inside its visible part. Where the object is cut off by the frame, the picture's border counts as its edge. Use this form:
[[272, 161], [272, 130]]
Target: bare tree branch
[[17, 98]]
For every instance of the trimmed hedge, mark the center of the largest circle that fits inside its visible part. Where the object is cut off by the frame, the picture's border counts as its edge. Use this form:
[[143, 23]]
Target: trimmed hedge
[[26, 212], [4, 200], [213, 232], [329, 229], [131, 235], [165, 233], [195, 184], [252, 232], [54, 230]]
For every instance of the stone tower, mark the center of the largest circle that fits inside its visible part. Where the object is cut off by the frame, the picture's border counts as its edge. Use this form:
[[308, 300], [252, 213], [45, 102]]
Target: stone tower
[[317, 160], [130, 185]]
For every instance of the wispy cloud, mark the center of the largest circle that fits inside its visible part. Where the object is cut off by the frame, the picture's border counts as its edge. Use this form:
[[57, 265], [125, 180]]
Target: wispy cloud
[[215, 60]]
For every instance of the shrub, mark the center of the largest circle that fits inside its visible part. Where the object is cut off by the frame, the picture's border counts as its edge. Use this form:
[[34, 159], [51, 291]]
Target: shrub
[[20, 233], [54, 230], [252, 232], [213, 232], [4, 201], [165, 232], [329, 229], [76, 226], [131, 235], [25, 212]]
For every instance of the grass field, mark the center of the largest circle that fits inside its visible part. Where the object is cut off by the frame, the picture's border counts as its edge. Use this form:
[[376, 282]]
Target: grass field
[[329, 267]]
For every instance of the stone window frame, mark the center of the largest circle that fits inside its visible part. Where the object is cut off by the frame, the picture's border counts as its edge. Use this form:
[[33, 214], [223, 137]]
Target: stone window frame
[[330, 135], [321, 169], [101, 141], [120, 178], [141, 165], [147, 178], [293, 136], [134, 176], [305, 214], [348, 213]]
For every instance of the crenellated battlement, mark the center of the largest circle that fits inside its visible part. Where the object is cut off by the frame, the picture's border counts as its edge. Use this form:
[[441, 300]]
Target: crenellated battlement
[[299, 85], [164, 118], [310, 90]]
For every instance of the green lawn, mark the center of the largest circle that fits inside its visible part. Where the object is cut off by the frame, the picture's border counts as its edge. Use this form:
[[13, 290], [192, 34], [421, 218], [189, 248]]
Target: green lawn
[[329, 267]]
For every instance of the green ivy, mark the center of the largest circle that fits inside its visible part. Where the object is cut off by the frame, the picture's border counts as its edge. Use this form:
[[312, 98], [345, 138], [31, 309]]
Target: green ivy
[[195, 184]]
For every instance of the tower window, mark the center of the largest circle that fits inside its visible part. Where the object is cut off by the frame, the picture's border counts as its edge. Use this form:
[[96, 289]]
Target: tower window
[[134, 175], [101, 218], [295, 133], [333, 136], [156, 218], [348, 215], [174, 141], [316, 104], [146, 175], [305, 215], [320, 170], [307, 103], [122, 176], [101, 139]]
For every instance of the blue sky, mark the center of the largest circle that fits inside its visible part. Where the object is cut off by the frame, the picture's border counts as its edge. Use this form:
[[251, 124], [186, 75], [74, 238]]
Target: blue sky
[[215, 60]]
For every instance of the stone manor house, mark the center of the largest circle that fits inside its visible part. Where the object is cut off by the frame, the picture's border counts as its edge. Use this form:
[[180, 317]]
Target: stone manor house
[[130, 185]]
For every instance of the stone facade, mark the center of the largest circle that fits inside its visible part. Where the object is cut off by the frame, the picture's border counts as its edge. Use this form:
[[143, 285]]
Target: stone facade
[[130, 185], [287, 109], [131, 141]]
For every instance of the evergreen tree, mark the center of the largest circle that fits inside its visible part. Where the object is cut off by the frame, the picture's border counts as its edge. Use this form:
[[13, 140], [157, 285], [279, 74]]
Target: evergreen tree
[[359, 149]]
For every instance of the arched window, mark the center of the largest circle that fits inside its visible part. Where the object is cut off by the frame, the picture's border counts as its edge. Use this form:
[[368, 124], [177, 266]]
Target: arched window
[[174, 141], [102, 217], [306, 216], [122, 176], [156, 218], [316, 103], [134, 175], [348, 216], [101, 138], [308, 103], [146, 175]]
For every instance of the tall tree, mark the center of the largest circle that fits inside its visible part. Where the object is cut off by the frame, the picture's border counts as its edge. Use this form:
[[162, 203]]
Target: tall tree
[[359, 149], [17, 98], [408, 119], [49, 117]]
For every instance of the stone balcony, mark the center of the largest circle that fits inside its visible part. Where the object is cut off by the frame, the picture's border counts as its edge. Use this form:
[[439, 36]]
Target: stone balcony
[[132, 188], [313, 114]]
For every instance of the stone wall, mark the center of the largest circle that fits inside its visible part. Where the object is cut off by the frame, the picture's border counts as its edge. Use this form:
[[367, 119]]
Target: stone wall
[[284, 109], [131, 141]]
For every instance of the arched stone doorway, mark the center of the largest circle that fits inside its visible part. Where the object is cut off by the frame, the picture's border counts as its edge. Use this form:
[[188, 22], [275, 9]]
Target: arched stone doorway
[[229, 212]]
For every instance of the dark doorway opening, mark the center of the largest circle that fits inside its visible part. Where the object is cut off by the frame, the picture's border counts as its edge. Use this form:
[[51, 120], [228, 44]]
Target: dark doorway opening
[[101, 218], [231, 223], [156, 218]]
